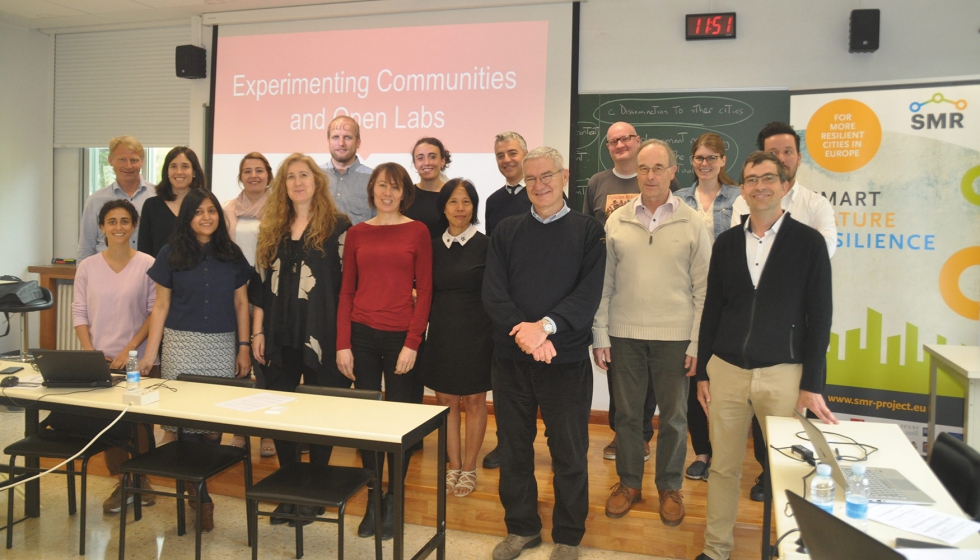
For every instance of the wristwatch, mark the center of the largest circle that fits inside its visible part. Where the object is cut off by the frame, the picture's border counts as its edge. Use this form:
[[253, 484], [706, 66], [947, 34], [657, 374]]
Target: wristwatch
[[548, 325]]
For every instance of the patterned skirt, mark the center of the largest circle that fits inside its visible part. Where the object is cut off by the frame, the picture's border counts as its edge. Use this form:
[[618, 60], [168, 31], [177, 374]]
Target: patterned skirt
[[210, 354]]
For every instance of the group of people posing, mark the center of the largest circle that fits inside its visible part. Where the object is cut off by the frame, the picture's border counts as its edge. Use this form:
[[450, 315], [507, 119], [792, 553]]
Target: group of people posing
[[344, 276]]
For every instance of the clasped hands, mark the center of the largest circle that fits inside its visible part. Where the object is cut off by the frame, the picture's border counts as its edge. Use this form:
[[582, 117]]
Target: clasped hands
[[531, 339]]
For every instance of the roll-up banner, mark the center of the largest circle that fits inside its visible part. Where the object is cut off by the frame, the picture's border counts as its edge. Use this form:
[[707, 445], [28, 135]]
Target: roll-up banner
[[901, 167]]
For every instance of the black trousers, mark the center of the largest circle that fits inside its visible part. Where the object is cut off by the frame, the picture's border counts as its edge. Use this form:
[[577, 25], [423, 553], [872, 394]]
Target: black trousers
[[375, 355], [649, 409], [563, 392], [285, 377], [697, 422]]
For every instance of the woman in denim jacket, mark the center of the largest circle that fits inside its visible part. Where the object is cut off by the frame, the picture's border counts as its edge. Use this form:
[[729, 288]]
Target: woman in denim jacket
[[712, 195]]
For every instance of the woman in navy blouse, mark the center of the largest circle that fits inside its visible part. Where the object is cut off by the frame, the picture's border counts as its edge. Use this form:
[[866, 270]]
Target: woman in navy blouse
[[201, 310]]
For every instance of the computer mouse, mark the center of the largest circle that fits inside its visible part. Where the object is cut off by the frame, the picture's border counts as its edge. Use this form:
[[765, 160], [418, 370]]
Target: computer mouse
[[9, 381]]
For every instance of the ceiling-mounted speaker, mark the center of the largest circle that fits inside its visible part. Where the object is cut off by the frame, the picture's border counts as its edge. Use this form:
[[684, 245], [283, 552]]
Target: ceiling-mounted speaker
[[191, 62], [865, 25]]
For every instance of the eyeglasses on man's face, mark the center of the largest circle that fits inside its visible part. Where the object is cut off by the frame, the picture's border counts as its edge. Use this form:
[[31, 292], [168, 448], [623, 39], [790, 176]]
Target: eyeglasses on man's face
[[545, 178], [624, 139], [767, 179], [656, 170]]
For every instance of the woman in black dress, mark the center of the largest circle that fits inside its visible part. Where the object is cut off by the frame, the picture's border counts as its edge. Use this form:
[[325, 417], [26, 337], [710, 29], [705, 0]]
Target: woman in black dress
[[294, 332], [181, 173], [456, 361], [430, 159]]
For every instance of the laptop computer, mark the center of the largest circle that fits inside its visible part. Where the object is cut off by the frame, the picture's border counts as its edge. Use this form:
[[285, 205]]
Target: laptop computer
[[828, 537], [887, 485], [73, 368]]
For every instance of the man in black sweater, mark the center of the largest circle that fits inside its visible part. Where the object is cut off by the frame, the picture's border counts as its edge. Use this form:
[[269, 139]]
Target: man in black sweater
[[542, 288], [764, 334], [510, 199]]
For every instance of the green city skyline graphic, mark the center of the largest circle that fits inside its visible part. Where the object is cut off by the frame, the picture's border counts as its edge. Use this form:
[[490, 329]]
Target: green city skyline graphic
[[862, 367]]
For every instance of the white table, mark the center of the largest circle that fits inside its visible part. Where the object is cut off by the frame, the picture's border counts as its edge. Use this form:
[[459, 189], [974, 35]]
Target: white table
[[963, 362], [363, 424], [894, 451]]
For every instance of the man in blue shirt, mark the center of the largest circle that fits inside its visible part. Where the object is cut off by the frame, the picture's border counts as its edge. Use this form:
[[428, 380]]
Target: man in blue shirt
[[348, 176], [126, 159]]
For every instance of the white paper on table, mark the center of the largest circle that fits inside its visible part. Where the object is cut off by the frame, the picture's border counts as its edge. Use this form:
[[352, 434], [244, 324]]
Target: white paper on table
[[939, 553], [924, 521], [256, 402]]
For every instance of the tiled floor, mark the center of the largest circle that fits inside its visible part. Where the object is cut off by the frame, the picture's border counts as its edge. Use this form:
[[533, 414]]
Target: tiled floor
[[55, 535]]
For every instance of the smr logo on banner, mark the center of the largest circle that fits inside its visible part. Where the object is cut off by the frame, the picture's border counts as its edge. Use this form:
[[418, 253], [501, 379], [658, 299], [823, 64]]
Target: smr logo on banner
[[937, 120]]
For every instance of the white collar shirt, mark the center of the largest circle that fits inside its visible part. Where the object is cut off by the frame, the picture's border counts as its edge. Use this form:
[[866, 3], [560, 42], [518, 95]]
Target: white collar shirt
[[653, 220], [462, 238], [757, 248]]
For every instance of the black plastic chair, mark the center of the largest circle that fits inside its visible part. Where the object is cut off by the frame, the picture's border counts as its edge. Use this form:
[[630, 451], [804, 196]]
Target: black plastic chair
[[957, 466], [50, 446], [317, 486], [45, 303], [184, 461]]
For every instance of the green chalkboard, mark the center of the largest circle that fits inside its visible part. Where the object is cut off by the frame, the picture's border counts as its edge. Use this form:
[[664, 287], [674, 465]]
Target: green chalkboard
[[676, 118]]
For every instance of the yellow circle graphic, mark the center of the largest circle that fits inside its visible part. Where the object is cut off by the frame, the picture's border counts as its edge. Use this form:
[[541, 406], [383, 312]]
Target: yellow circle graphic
[[967, 185], [949, 282], [843, 135]]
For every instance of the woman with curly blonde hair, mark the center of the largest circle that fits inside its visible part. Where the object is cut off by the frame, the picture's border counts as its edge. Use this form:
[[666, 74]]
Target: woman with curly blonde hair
[[298, 259]]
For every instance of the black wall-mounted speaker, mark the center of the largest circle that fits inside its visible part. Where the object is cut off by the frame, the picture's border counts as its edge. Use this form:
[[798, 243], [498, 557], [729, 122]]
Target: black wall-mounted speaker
[[191, 62], [865, 25]]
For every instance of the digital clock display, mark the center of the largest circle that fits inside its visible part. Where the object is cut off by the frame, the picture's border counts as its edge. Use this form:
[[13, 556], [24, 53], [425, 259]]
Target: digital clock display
[[711, 26]]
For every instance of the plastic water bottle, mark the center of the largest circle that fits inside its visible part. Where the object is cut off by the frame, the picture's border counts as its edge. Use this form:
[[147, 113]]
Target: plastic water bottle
[[858, 490], [132, 373], [822, 489]]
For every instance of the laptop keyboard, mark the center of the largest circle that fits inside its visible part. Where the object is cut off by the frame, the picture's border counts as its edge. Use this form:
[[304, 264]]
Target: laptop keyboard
[[880, 490]]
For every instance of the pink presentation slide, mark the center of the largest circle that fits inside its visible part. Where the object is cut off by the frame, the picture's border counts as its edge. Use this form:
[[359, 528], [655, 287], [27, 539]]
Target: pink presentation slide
[[460, 83]]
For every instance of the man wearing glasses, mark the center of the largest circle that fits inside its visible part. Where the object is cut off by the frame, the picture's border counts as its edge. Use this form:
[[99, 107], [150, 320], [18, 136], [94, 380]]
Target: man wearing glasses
[[764, 333], [646, 329], [607, 191], [541, 288], [806, 207]]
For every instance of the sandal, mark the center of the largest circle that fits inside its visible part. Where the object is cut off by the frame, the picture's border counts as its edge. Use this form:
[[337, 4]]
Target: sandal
[[268, 448], [451, 477], [466, 484], [238, 441]]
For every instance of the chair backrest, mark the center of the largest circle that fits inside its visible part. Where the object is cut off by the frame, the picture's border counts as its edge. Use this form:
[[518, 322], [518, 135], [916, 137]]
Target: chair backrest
[[957, 466], [247, 382], [340, 392]]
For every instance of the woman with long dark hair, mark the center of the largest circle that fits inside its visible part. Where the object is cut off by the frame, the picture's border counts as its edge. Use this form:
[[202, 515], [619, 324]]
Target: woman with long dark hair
[[181, 174], [201, 309], [380, 322], [299, 256], [430, 159]]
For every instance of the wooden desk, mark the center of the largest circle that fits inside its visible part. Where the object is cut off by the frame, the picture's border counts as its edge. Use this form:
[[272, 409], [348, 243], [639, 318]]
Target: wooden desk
[[50, 274], [963, 362], [371, 425], [894, 451]]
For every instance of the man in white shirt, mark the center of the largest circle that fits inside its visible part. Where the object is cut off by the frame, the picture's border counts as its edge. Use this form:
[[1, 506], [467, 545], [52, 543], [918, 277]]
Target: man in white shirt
[[806, 207], [126, 159]]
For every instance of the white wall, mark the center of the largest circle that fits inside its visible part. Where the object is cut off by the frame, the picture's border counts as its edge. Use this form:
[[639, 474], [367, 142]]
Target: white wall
[[26, 91], [639, 45]]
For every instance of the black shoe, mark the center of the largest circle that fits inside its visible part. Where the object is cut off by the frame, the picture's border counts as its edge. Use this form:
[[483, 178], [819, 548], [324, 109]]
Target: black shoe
[[387, 518], [702, 556], [366, 528], [308, 511], [758, 492], [282, 508], [492, 459]]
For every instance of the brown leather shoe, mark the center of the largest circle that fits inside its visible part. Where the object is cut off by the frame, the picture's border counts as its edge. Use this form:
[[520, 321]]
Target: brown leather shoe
[[622, 499], [671, 507], [646, 451], [609, 451], [207, 517]]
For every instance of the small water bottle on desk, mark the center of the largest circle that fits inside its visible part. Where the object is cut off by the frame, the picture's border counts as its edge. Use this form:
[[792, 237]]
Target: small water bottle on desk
[[822, 489], [132, 373], [858, 490]]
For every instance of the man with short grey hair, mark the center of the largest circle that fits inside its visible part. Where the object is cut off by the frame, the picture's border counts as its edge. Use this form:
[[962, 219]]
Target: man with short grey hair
[[509, 149], [541, 289], [348, 176]]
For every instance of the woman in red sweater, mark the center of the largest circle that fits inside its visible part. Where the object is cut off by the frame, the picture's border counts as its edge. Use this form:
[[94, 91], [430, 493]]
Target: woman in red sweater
[[384, 304]]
